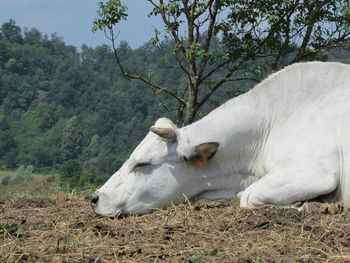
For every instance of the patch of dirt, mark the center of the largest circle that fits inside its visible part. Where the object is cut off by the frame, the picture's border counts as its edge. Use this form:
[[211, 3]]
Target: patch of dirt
[[66, 230], [34, 202]]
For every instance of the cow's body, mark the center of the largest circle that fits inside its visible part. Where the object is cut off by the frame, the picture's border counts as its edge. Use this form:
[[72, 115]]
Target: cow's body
[[287, 140]]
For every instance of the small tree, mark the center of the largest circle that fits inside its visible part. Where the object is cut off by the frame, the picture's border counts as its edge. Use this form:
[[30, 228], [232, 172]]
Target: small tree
[[12, 32], [6, 180], [24, 173], [71, 139], [226, 36], [70, 172]]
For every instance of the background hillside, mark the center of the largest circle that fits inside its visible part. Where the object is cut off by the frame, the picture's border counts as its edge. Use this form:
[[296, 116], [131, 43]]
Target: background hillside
[[70, 110], [58, 104]]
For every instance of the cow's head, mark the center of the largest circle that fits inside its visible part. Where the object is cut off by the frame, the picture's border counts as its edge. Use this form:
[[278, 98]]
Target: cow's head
[[160, 171]]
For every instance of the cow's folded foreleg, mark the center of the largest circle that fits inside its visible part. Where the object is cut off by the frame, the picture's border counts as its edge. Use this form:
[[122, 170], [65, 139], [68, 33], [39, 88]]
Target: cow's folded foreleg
[[290, 183]]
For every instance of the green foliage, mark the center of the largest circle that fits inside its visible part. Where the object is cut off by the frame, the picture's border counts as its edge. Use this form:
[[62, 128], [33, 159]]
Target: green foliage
[[71, 172], [285, 31], [11, 32], [71, 139], [25, 172], [7, 144], [109, 14], [71, 168], [224, 39], [6, 180]]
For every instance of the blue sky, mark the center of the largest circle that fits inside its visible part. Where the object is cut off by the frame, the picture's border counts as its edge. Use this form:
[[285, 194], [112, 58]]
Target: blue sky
[[72, 20]]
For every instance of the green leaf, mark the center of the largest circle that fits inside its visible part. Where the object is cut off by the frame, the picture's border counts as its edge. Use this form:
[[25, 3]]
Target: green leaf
[[109, 14]]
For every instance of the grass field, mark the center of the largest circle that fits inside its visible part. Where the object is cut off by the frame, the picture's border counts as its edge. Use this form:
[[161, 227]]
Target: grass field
[[63, 228], [38, 184], [4, 173]]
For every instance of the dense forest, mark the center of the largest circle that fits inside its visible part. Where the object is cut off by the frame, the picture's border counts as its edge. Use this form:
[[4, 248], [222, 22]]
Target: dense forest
[[70, 109]]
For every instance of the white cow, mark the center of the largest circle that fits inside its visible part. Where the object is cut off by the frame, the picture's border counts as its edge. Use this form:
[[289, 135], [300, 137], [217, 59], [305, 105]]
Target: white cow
[[285, 141]]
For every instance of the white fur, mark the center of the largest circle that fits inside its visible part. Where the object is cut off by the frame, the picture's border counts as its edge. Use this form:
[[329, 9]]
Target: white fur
[[287, 140]]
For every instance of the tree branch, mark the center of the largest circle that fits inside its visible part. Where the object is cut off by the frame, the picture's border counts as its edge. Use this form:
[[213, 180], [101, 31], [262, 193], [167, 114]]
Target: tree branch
[[172, 31], [310, 25], [217, 85], [156, 89], [212, 15]]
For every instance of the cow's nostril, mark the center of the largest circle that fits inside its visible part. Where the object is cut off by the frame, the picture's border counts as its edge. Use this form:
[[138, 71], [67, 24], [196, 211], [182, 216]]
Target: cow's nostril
[[94, 199]]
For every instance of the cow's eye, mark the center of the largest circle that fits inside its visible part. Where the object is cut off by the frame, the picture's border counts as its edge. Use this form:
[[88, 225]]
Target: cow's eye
[[138, 165]]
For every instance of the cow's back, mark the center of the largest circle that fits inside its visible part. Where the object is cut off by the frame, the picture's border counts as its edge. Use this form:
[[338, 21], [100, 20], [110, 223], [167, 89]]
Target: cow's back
[[301, 85]]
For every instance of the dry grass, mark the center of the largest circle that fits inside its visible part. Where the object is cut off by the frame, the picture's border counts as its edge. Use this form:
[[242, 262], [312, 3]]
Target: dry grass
[[64, 229]]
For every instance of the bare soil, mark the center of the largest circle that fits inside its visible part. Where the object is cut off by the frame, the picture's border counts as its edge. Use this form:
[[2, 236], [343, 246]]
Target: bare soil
[[64, 229]]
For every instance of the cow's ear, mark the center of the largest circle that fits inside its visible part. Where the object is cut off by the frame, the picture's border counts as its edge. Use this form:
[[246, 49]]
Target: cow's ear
[[165, 129], [202, 153]]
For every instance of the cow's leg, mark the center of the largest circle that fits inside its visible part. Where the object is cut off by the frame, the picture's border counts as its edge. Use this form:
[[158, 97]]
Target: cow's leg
[[291, 183]]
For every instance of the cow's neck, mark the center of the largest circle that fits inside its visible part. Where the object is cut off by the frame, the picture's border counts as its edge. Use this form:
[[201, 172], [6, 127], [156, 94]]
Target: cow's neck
[[241, 128]]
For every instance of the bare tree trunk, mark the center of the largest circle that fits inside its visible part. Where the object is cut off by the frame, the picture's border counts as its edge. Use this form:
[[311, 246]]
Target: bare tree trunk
[[192, 105]]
